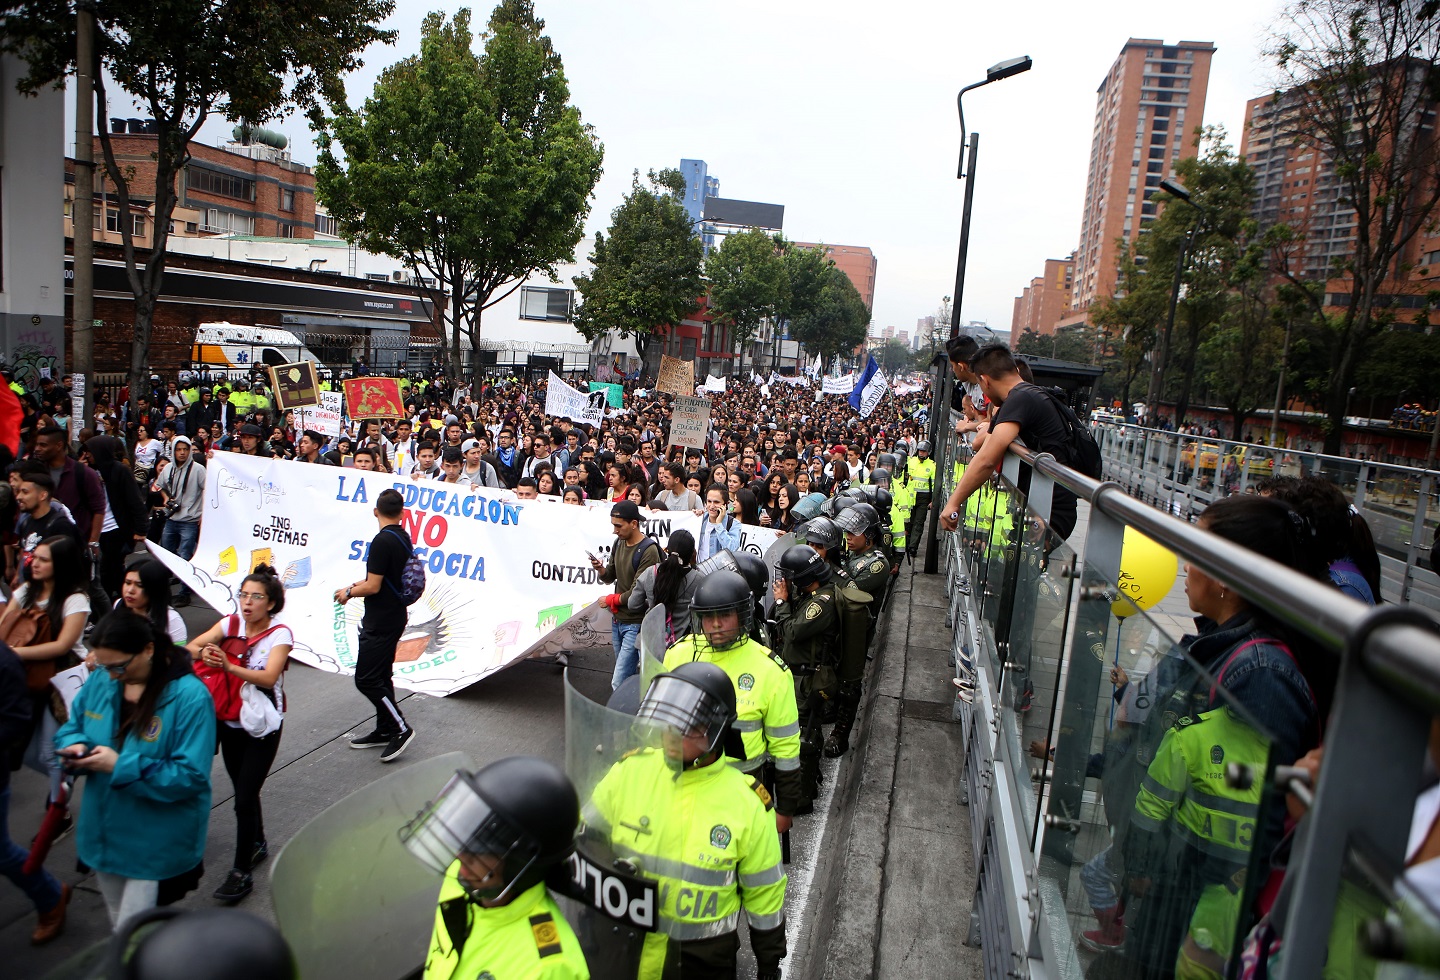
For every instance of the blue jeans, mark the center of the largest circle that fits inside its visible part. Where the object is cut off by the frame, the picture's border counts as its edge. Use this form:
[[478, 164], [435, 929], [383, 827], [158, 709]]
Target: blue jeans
[[624, 636], [41, 887], [180, 537]]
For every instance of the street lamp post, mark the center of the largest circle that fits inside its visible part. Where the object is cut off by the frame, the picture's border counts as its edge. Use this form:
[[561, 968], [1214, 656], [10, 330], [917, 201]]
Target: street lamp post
[[971, 142], [1162, 350]]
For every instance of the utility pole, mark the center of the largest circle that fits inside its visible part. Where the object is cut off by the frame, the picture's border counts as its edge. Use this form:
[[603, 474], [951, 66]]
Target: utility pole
[[83, 209]]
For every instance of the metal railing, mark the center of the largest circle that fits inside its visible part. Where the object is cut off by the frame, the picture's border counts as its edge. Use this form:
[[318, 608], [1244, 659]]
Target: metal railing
[[1047, 741], [1183, 474]]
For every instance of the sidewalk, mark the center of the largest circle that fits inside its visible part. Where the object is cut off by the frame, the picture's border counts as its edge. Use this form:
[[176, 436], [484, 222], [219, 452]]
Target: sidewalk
[[892, 893]]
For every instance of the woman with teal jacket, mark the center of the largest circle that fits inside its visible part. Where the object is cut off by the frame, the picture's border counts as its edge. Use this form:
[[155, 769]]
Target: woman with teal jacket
[[142, 730]]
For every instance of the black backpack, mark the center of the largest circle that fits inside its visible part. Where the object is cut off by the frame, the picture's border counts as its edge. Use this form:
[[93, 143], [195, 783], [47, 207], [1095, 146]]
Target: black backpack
[[1080, 445]]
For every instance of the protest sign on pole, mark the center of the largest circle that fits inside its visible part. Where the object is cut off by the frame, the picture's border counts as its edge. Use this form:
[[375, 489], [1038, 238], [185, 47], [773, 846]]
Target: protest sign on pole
[[676, 376], [838, 386], [77, 406], [614, 394], [374, 398], [564, 401], [295, 385], [505, 578], [325, 418], [690, 422], [715, 384]]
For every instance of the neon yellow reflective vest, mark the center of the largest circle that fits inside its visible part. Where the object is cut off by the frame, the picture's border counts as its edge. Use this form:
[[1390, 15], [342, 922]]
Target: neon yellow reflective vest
[[705, 836], [526, 940], [766, 715], [243, 401], [921, 473]]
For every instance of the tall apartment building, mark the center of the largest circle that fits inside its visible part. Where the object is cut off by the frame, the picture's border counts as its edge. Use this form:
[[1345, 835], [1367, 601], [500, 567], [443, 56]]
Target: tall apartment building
[[1046, 300], [1146, 111]]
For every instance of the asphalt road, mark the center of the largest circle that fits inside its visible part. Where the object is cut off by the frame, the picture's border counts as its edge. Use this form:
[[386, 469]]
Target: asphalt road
[[517, 711]]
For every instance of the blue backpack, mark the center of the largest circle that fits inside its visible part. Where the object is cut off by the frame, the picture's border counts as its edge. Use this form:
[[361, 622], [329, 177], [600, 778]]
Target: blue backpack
[[412, 578]]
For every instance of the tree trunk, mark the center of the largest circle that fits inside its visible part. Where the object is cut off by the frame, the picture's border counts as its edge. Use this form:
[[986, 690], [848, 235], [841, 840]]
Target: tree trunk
[[475, 343], [457, 302]]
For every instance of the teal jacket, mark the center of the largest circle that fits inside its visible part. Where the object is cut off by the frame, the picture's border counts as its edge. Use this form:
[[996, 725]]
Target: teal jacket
[[148, 818]]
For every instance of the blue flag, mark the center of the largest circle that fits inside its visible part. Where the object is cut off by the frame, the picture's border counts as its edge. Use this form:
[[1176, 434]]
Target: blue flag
[[869, 389]]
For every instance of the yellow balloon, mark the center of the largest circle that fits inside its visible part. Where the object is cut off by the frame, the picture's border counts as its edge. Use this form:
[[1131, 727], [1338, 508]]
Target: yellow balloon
[[1147, 572]]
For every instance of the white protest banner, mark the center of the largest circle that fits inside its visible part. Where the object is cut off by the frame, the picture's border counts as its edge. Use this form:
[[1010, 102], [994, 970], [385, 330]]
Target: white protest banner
[[690, 422], [506, 579], [765, 390], [791, 380], [324, 418], [676, 376], [561, 400], [838, 386], [714, 384]]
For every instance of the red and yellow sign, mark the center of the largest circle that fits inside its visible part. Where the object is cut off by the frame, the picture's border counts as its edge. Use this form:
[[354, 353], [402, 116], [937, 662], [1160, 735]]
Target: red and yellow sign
[[374, 398]]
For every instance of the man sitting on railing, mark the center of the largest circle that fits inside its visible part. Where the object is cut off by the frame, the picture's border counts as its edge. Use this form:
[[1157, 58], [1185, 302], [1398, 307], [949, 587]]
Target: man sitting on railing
[[1026, 413]]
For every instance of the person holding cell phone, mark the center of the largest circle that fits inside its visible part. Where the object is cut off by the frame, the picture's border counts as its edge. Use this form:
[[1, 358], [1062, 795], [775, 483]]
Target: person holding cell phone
[[142, 733]]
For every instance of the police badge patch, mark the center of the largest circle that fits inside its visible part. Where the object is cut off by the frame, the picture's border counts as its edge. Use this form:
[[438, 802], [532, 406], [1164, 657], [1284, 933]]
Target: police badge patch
[[1217, 754], [812, 611], [720, 836], [745, 682]]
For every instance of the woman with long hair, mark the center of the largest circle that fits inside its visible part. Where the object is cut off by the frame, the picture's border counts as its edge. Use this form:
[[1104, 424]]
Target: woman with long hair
[[802, 482], [747, 511], [145, 591], [781, 518], [146, 448], [126, 516], [1278, 688], [1339, 534], [547, 485], [248, 757], [142, 733], [573, 495], [839, 478], [55, 596], [670, 583], [638, 494]]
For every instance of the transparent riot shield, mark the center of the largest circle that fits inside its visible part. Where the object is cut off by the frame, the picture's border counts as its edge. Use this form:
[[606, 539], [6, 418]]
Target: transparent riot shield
[[327, 881], [772, 562], [629, 878], [654, 633]]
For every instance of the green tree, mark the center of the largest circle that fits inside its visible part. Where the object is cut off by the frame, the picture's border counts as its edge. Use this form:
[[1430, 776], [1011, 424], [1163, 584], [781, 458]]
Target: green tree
[[1359, 81], [647, 273], [474, 169], [1401, 360], [747, 284], [838, 321], [183, 61], [895, 356]]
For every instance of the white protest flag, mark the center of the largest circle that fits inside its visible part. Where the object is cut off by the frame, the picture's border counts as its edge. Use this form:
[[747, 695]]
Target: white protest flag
[[755, 379], [816, 367], [870, 390], [765, 390], [505, 578], [561, 400]]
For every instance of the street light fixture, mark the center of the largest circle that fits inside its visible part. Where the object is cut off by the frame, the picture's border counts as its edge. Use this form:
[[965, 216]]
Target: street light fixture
[[1178, 191], [995, 73]]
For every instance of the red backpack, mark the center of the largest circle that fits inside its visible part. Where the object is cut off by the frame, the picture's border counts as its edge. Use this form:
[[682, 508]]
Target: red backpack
[[225, 688]]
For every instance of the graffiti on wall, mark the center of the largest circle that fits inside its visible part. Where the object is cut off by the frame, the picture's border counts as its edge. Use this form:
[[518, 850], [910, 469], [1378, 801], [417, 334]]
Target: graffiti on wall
[[34, 353]]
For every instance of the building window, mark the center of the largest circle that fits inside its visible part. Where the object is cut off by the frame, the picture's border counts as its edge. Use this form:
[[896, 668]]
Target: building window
[[377, 276], [287, 230], [112, 220], [287, 199], [214, 182], [228, 223], [540, 303], [326, 224]]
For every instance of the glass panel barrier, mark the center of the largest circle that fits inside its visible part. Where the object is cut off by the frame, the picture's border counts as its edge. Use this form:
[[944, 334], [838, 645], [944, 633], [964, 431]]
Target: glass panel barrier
[[1147, 844]]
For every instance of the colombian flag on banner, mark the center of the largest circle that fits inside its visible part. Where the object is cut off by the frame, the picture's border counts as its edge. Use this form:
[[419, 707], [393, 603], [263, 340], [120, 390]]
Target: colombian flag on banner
[[374, 398]]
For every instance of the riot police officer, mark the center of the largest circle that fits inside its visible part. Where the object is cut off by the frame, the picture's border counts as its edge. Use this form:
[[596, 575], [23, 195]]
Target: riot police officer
[[764, 688], [494, 835], [921, 473], [868, 571], [701, 828], [807, 611], [822, 535]]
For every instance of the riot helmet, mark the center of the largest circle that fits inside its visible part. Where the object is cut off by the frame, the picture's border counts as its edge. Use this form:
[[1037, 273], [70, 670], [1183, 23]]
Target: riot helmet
[[808, 507], [923, 447], [721, 561], [720, 592], [822, 532], [694, 698], [882, 498], [801, 565], [200, 944], [885, 461], [860, 519], [754, 570], [880, 477], [507, 825]]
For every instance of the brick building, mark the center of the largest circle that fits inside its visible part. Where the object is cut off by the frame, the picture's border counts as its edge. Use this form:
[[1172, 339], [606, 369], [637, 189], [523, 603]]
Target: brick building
[[1046, 300], [243, 188], [857, 262], [1147, 109]]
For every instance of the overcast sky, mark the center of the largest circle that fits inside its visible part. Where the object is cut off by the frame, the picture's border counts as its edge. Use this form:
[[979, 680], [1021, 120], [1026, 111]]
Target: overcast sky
[[844, 112]]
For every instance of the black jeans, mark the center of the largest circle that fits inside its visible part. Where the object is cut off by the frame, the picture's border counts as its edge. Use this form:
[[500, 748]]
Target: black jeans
[[247, 760], [114, 546], [374, 667]]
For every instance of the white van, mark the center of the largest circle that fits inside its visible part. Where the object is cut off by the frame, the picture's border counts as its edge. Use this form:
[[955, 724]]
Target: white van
[[226, 347]]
